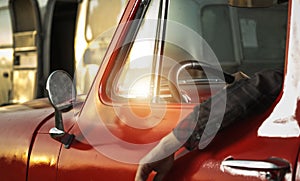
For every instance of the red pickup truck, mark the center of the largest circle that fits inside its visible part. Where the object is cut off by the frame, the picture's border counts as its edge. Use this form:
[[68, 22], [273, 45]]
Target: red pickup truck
[[155, 71]]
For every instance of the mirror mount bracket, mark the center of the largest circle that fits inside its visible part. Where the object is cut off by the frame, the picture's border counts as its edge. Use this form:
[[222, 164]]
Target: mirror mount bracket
[[58, 133], [58, 120], [61, 136]]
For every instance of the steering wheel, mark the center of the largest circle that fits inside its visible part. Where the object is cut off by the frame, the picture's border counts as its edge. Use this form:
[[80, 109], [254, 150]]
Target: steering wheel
[[192, 64]]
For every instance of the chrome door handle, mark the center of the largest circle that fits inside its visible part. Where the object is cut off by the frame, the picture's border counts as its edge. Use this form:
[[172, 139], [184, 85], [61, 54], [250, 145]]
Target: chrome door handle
[[273, 168]]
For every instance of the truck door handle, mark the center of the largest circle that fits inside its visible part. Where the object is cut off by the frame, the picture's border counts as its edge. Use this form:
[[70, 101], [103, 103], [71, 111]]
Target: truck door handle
[[273, 168]]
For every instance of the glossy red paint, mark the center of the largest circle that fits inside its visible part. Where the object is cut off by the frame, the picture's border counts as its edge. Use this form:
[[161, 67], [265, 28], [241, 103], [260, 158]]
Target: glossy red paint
[[239, 141], [46, 150], [18, 126], [297, 169], [93, 164], [44, 158], [25, 142]]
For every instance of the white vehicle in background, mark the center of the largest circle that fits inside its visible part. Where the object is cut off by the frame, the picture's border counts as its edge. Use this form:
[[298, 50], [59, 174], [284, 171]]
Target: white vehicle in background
[[40, 36]]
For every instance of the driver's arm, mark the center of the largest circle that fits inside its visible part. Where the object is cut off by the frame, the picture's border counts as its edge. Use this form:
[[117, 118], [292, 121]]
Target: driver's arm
[[244, 97], [160, 159]]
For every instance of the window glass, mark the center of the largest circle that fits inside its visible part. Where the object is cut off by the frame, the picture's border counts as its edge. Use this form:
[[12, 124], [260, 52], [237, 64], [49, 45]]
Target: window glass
[[263, 33], [216, 28], [135, 77], [251, 38], [210, 32], [242, 39]]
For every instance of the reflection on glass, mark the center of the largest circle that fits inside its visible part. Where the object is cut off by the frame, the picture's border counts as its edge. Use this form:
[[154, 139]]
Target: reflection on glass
[[134, 80]]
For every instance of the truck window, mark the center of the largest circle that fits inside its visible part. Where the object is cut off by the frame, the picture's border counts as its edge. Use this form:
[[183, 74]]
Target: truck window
[[253, 36], [214, 33]]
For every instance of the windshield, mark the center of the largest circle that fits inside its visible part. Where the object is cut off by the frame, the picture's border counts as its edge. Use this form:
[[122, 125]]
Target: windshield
[[229, 39]]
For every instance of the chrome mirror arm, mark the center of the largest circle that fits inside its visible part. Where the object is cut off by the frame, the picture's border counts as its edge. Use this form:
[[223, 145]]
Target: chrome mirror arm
[[58, 131], [58, 120]]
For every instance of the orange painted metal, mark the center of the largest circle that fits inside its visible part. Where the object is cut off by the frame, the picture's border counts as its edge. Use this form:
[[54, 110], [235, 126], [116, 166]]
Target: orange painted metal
[[18, 127]]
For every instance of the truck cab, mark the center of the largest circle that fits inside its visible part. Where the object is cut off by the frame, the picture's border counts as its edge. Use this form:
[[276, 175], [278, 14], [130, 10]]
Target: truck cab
[[140, 75]]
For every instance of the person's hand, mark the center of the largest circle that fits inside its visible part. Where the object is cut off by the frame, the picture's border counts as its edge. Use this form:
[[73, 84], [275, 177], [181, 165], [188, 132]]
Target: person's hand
[[237, 76], [161, 167], [160, 159], [240, 75]]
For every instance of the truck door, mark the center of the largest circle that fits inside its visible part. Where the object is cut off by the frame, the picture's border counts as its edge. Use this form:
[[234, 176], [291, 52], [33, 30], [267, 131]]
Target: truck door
[[26, 57], [33, 44], [6, 52]]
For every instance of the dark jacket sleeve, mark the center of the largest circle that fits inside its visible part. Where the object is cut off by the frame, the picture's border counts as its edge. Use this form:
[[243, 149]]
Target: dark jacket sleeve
[[244, 97]]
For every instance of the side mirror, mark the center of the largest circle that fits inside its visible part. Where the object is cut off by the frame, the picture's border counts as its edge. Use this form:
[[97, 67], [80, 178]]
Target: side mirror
[[61, 94]]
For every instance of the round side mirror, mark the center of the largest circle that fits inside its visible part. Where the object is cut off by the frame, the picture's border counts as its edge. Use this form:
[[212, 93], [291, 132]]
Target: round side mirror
[[61, 90]]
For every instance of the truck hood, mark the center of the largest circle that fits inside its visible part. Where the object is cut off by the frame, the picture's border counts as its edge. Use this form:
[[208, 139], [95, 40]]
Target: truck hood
[[18, 127]]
